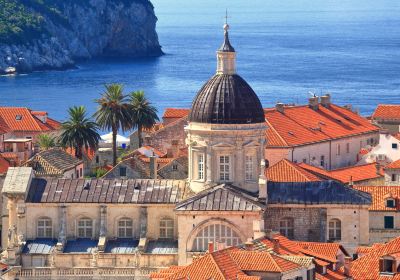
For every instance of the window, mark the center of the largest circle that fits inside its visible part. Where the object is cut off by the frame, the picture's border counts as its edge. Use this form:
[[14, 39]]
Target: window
[[167, 228], [175, 167], [200, 166], [249, 168], [215, 233], [390, 203], [286, 227], [125, 228], [44, 228], [387, 265], [97, 159], [389, 222], [394, 145], [322, 163], [224, 168], [304, 160], [338, 150], [85, 228], [394, 178], [335, 229], [347, 147], [122, 171], [80, 172]]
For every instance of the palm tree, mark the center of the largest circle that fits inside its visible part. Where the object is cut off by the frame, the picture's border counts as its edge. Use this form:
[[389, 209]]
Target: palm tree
[[79, 131], [113, 113], [46, 141], [144, 115]]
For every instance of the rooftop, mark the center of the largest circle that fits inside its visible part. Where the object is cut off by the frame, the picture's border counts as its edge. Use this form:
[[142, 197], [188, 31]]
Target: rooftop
[[301, 125], [387, 111], [287, 171], [141, 191], [23, 119], [379, 195], [52, 162], [175, 113], [325, 192], [346, 174]]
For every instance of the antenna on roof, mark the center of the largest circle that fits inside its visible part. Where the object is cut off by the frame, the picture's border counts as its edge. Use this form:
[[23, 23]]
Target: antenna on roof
[[226, 16]]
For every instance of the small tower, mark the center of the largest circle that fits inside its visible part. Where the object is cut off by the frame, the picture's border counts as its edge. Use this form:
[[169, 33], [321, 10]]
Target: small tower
[[226, 56]]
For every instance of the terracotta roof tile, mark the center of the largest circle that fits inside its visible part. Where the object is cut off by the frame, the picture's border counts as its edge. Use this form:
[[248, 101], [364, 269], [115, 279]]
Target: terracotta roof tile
[[22, 119], [300, 125], [329, 250], [345, 175], [380, 194], [387, 111], [331, 275], [9, 155], [287, 171], [393, 165], [367, 266], [175, 113]]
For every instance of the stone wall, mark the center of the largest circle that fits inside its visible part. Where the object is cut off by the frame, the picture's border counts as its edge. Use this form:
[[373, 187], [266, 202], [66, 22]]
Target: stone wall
[[309, 223]]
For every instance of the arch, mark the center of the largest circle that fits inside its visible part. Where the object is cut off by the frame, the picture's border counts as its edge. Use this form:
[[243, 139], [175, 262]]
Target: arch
[[335, 229], [167, 228], [231, 235], [286, 227], [125, 227], [44, 227]]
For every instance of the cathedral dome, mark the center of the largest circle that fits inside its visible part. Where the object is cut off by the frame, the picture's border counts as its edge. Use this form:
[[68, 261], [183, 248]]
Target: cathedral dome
[[226, 98]]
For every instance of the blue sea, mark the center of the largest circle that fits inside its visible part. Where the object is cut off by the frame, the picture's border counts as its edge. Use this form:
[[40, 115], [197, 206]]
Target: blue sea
[[286, 50]]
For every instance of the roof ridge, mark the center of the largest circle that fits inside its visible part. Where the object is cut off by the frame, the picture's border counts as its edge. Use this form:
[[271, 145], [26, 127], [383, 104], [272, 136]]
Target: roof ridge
[[276, 132]]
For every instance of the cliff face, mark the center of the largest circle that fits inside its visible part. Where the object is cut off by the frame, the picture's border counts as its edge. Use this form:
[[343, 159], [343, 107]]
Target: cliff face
[[85, 29]]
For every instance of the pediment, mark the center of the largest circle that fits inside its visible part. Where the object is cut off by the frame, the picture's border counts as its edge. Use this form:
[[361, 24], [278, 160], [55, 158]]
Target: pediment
[[223, 145], [251, 144]]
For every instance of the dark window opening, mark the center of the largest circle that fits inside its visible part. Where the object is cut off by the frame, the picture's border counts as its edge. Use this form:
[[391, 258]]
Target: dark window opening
[[389, 222]]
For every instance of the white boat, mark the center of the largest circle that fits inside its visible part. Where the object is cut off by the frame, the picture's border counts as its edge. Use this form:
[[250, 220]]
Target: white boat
[[10, 70]]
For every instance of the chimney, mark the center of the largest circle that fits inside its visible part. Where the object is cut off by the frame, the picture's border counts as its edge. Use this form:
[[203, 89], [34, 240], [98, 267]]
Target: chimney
[[326, 100], [153, 167], [258, 229], [313, 102], [347, 266], [351, 183], [248, 245], [262, 182], [276, 245], [210, 247], [378, 169], [280, 107]]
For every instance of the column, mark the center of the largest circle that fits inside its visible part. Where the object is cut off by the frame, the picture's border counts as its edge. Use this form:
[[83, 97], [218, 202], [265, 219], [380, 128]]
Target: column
[[12, 222], [103, 221], [62, 234], [209, 168]]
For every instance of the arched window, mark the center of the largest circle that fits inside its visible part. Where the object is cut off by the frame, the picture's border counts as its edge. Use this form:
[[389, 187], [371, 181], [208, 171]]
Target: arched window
[[215, 233], [286, 227], [335, 229], [44, 228], [125, 228], [85, 228], [167, 228]]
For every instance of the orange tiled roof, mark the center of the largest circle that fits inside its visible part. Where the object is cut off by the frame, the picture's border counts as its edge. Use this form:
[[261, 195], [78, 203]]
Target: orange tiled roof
[[229, 264], [175, 113], [9, 155], [393, 165], [329, 250], [387, 111], [331, 275], [287, 171], [158, 160], [22, 119], [355, 173], [379, 195], [89, 153], [367, 266], [155, 151], [300, 125]]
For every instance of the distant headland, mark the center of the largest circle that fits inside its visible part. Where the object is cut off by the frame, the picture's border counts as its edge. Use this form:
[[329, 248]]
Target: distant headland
[[51, 34]]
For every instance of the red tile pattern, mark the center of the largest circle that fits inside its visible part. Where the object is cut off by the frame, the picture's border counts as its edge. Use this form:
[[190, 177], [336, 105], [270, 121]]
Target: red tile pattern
[[287, 171], [175, 113], [300, 125], [387, 111], [380, 194], [393, 165]]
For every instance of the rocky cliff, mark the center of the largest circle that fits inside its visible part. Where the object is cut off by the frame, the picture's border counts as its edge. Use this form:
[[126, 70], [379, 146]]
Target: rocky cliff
[[69, 30]]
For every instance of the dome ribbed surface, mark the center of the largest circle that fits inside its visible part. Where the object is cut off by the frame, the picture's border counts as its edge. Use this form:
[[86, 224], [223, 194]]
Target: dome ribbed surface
[[226, 99]]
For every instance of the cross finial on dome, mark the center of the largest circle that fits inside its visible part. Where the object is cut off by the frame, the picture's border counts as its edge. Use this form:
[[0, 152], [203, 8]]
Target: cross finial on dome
[[226, 46]]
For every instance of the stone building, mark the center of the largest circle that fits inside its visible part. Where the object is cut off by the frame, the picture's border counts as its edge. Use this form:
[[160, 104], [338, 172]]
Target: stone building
[[384, 212], [119, 228]]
